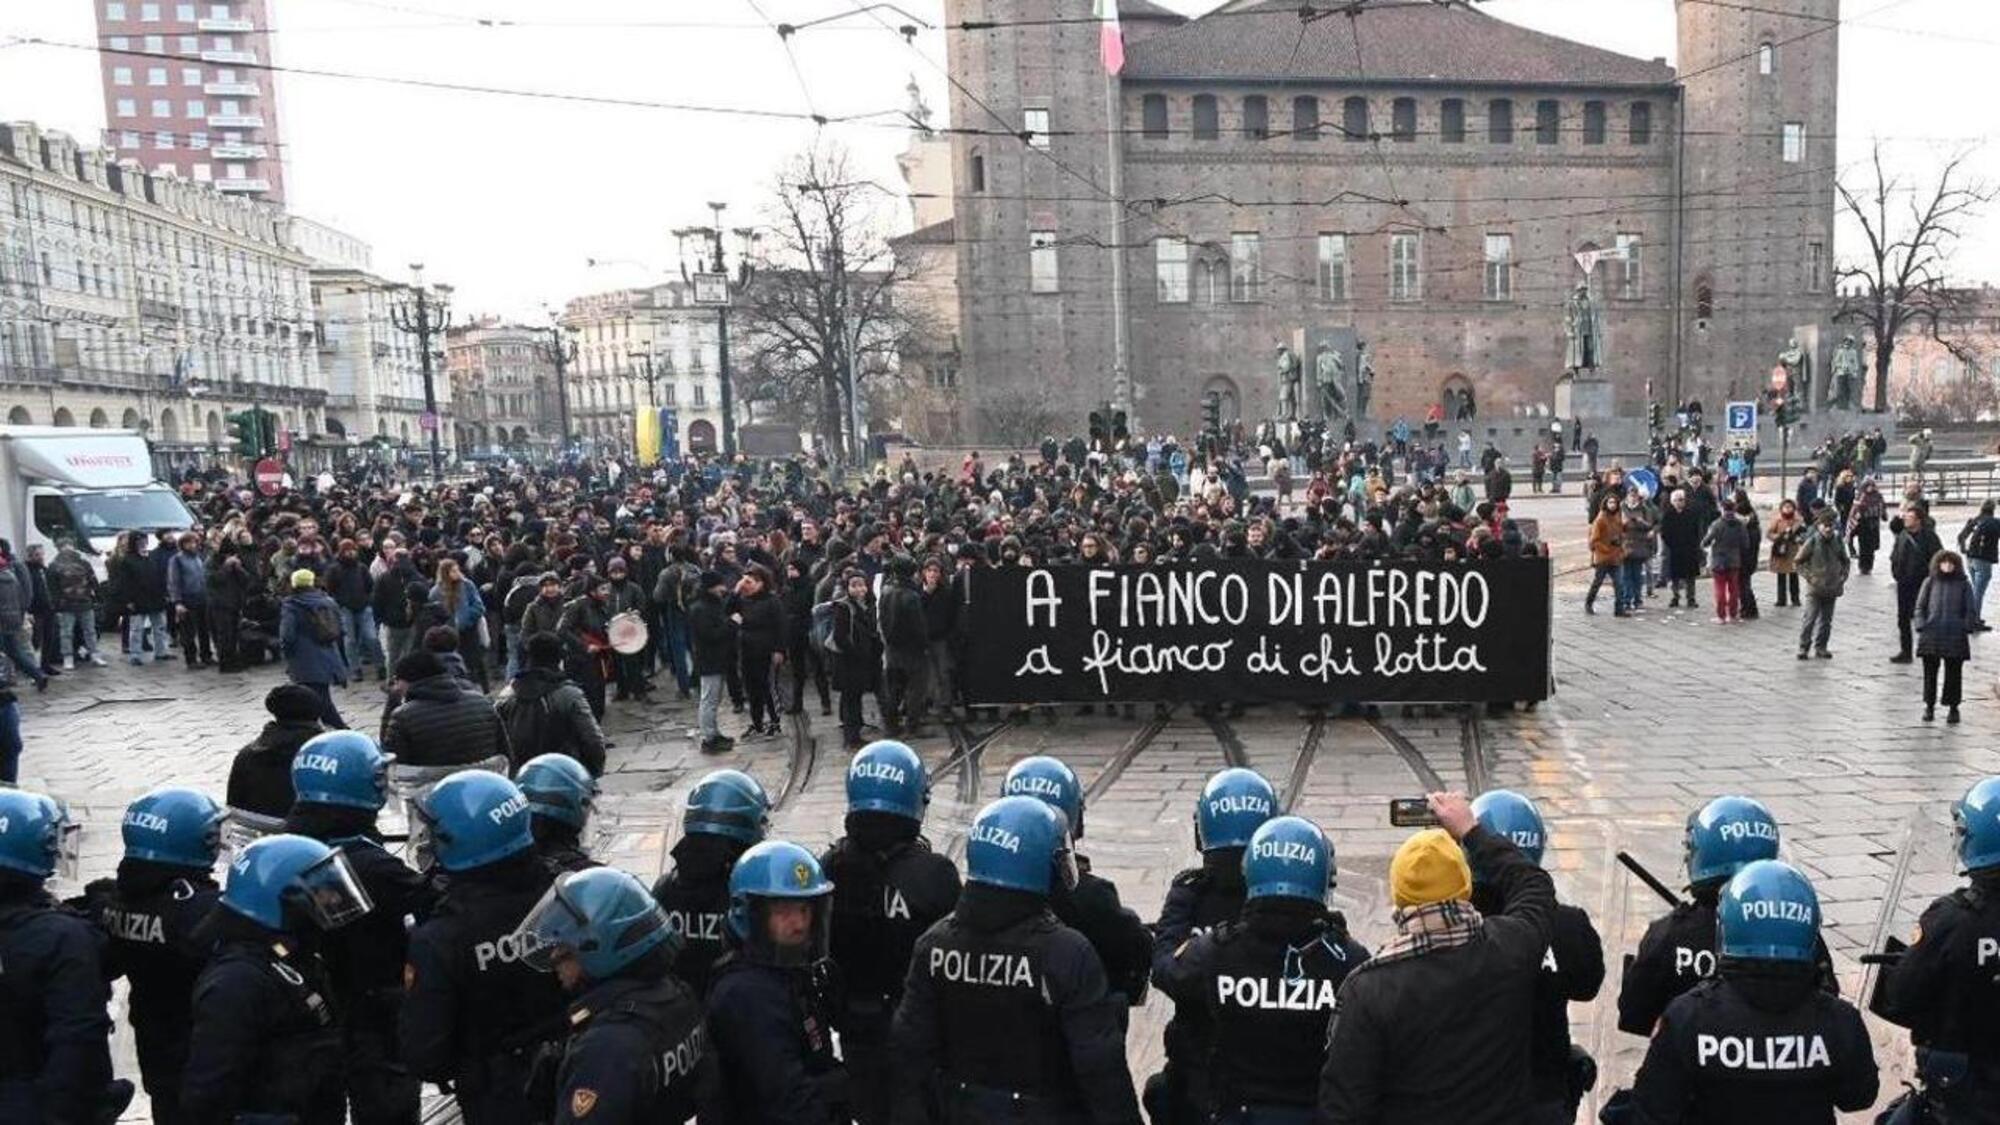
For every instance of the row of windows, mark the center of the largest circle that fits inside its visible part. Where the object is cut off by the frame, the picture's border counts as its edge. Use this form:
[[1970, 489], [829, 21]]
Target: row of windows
[[1174, 267], [150, 13], [197, 110], [189, 45], [1356, 123]]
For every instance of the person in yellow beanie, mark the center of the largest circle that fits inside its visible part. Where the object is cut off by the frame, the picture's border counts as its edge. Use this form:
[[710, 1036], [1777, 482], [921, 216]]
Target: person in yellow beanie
[[1431, 1030]]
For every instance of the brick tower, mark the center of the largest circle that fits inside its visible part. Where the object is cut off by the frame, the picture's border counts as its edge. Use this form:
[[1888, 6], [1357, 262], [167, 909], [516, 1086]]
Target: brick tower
[[1759, 85]]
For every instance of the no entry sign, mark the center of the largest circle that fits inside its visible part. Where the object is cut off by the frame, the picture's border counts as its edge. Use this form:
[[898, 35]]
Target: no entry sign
[[270, 476], [1248, 630]]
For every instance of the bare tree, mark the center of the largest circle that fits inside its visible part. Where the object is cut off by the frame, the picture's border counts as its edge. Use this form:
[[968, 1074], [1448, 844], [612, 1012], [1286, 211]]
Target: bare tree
[[1018, 418], [1901, 280], [822, 307]]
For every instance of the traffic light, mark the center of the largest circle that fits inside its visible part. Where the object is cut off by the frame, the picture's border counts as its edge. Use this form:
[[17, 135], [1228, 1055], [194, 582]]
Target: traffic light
[[1120, 432], [1097, 427], [1784, 410], [1653, 416], [246, 433]]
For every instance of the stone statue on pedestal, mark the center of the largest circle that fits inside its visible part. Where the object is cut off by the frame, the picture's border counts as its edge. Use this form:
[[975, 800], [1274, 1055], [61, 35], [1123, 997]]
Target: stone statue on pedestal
[[1288, 384], [1364, 378], [1797, 363], [1845, 384], [1583, 328], [1329, 373]]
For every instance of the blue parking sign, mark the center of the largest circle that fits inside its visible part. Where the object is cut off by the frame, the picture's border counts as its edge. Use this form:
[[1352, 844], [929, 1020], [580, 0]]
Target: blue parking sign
[[1742, 419]]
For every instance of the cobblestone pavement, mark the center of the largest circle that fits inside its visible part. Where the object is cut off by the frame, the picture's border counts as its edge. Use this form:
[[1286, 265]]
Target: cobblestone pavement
[[1652, 716]]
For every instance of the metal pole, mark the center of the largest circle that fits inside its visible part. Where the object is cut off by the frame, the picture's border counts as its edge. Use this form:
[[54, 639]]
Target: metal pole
[[1121, 360], [430, 389], [722, 345]]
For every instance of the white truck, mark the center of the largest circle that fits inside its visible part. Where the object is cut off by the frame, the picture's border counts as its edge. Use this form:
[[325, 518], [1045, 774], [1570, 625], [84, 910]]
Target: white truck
[[90, 486]]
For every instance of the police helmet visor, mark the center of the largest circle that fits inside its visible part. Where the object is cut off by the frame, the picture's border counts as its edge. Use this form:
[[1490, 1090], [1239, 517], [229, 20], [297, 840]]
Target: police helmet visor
[[726, 822], [790, 932], [241, 828], [1066, 872], [554, 928], [330, 894]]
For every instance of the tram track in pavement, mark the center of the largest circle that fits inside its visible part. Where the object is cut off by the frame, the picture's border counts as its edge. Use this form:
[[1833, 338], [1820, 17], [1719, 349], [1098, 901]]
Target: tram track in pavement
[[966, 764]]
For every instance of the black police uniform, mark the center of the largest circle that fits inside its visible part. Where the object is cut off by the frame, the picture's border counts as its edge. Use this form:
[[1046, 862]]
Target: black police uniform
[[1676, 953], [55, 1055], [637, 1055], [773, 1029], [265, 1040], [886, 893], [560, 847], [150, 912], [1198, 900], [695, 896], [1267, 983], [1946, 990], [1005, 1017], [474, 1014], [1758, 1044], [1572, 971], [364, 962], [1123, 944]]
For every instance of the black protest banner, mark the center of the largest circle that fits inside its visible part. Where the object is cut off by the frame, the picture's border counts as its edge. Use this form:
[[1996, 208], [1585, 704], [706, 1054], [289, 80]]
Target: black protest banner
[[1250, 630]]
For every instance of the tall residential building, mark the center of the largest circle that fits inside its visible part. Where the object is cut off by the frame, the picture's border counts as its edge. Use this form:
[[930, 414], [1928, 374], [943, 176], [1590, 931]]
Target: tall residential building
[[616, 334], [503, 384], [187, 89]]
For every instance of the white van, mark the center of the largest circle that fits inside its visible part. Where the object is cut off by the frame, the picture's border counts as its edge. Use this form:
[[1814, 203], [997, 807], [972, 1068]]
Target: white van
[[60, 482]]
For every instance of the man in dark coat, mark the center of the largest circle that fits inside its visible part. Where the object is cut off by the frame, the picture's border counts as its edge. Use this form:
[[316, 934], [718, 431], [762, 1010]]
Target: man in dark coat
[[260, 779], [441, 722], [545, 713], [1910, 563]]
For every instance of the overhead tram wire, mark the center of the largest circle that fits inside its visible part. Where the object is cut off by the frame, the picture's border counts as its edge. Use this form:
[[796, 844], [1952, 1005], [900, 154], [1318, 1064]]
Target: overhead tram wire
[[785, 40]]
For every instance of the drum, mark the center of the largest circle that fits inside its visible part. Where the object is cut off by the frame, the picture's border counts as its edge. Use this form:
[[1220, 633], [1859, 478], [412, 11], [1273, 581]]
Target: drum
[[628, 633]]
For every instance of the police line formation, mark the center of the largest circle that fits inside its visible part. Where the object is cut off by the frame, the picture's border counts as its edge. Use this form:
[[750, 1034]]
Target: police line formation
[[757, 982]]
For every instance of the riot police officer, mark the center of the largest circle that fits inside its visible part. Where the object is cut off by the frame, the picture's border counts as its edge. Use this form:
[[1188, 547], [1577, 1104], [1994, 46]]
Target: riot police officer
[[727, 812], [474, 1013], [1268, 978], [1091, 907], [561, 794], [1572, 969], [769, 1005], [1232, 805], [164, 890], [1759, 1042], [1946, 986], [1722, 837], [1005, 1014], [637, 1049], [55, 1056], [888, 888], [340, 781], [265, 1044]]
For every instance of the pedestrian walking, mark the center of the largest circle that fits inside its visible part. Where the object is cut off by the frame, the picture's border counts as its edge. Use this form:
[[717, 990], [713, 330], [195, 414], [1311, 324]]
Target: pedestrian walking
[[1909, 564], [1639, 550], [74, 588], [856, 645], [1822, 561], [1980, 541], [309, 638], [1680, 542], [187, 592], [1753, 542], [142, 589], [760, 645], [42, 611], [1607, 556], [709, 631], [1944, 616], [351, 587], [1787, 528], [1726, 542], [17, 588]]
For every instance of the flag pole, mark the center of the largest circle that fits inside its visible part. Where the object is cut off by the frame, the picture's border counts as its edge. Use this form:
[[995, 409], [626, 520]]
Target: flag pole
[[1121, 369]]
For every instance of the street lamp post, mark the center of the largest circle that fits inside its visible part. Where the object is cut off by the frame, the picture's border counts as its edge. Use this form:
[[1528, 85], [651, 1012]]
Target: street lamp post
[[425, 316], [562, 353], [712, 288]]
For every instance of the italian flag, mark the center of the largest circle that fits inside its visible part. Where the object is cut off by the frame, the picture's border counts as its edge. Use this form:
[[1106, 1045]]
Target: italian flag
[[1111, 42]]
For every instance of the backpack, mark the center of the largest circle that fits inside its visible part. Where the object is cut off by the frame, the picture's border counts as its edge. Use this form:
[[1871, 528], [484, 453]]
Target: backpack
[[323, 621], [821, 635], [526, 721]]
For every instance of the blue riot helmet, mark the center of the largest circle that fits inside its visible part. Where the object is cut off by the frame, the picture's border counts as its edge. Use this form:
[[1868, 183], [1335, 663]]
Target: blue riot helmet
[[728, 803], [1232, 805], [887, 776], [1019, 843], [1768, 912], [281, 882], [1727, 833], [1976, 824], [471, 819], [1052, 782], [601, 917], [766, 881], [1507, 814], [37, 836], [1288, 857], [558, 787], [344, 768], [176, 826]]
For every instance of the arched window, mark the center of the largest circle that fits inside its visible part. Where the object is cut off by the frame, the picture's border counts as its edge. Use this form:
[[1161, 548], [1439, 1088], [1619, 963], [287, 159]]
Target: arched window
[[64, 417], [1457, 400], [99, 420], [1207, 127], [1256, 118], [1223, 387], [1704, 301], [1403, 120], [1767, 58], [1153, 116], [1354, 119], [1305, 118]]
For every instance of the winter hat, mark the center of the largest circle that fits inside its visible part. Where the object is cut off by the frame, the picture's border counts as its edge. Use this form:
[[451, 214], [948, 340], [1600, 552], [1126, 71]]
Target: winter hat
[[419, 666], [1429, 867], [544, 650], [710, 579], [303, 579], [290, 703]]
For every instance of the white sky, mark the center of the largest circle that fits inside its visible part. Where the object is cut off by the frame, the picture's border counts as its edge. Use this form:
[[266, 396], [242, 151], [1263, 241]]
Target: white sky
[[506, 197]]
